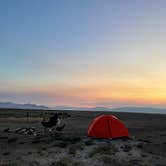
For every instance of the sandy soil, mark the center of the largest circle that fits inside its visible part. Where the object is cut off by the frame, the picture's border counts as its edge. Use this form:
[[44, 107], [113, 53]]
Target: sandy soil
[[72, 147]]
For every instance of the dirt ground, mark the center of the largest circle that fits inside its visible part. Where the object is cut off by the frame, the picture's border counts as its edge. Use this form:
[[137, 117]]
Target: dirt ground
[[72, 147]]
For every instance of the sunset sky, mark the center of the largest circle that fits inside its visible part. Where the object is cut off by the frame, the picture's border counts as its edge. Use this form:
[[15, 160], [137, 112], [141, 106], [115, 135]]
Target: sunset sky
[[86, 53]]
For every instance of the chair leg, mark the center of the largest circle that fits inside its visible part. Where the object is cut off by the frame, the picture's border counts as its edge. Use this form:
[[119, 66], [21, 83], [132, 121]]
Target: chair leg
[[45, 131]]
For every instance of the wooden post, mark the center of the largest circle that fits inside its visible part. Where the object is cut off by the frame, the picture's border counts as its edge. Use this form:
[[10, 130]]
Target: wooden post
[[44, 119], [28, 118]]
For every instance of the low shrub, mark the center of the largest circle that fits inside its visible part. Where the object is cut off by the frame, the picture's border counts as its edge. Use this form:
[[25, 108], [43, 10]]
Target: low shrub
[[89, 142], [107, 160], [127, 148], [104, 149], [61, 144], [72, 151], [66, 161]]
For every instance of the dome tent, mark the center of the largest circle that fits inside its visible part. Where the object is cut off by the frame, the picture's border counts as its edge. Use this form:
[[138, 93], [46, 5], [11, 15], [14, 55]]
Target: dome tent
[[107, 126]]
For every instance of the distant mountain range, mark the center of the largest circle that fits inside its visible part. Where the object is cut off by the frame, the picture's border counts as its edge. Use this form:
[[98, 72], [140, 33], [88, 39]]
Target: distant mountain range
[[122, 109], [140, 110], [21, 106], [81, 108]]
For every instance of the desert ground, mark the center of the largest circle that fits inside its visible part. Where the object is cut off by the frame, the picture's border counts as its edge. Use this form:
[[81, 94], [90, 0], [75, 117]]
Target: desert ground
[[72, 147]]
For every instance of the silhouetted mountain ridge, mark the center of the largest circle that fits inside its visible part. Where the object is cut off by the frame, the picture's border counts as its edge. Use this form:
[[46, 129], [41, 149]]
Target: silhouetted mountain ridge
[[121, 109], [21, 106]]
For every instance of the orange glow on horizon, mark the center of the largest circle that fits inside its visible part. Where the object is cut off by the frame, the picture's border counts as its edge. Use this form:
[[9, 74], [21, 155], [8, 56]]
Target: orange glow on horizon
[[91, 95]]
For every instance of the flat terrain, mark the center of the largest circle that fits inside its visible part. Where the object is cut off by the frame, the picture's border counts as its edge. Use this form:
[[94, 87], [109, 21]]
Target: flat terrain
[[72, 146]]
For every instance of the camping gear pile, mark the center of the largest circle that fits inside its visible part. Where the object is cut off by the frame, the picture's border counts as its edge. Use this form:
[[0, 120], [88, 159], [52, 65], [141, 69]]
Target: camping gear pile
[[26, 131], [53, 124], [22, 130]]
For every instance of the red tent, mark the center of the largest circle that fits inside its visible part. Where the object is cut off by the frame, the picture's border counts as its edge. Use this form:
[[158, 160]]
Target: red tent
[[107, 126]]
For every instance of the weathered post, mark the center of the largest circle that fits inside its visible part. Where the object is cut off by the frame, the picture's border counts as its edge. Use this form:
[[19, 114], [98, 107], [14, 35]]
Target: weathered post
[[44, 119], [28, 118]]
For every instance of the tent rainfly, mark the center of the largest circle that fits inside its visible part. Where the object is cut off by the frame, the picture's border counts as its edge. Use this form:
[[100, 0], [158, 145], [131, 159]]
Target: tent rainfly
[[107, 126]]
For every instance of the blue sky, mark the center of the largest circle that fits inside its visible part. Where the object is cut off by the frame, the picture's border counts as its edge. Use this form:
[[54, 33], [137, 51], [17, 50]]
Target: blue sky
[[83, 53]]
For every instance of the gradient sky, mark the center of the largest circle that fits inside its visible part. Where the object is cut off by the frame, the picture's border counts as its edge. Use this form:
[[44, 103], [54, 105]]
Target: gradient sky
[[85, 53]]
